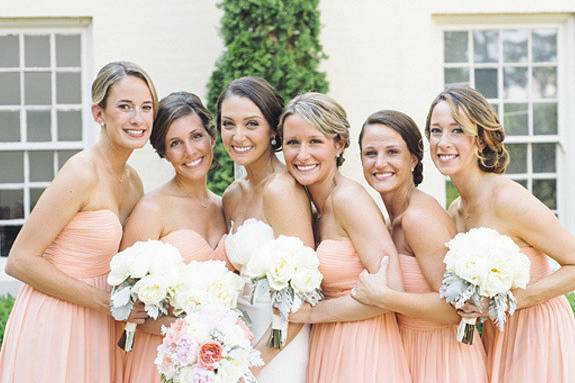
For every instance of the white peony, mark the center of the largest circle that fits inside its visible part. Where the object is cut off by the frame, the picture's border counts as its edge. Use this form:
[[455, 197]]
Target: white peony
[[120, 267], [251, 234], [259, 262], [306, 280], [152, 289]]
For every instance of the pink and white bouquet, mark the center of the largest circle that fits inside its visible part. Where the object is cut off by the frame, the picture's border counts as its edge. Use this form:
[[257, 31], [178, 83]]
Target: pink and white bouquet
[[483, 264], [146, 271], [290, 270], [210, 345], [205, 282]]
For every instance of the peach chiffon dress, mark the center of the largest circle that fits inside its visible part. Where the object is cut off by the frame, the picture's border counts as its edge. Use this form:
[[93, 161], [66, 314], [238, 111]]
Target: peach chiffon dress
[[538, 342], [139, 364], [367, 351], [51, 340], [433, 352]]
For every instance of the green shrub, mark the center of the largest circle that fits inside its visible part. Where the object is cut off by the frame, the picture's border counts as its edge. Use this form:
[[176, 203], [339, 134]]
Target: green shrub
[[6, 303], [571, 298], [274, 39]]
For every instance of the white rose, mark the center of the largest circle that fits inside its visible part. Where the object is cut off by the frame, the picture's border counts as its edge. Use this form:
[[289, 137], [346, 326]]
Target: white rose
[[185, 375], [251, 234], [151, 289], [307, 258], [521, 270], [281, 271], [258, 264]]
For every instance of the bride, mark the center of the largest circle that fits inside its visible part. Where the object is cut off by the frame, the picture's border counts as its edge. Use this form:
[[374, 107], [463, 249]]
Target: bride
[[248, 111]]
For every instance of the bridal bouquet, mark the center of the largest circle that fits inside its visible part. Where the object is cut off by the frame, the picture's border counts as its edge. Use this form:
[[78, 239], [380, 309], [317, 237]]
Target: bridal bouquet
[[209, 345], [483, 264], [146, 271], [206, 282]]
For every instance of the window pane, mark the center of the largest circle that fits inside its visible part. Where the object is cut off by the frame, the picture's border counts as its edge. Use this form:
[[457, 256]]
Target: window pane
[[68, 88], [485, 46], [9, 51], [544, 158], [456, 76], [38, 123], [7, 236], [10, 131], [34, 196], [522, 183], [545, 82], [38, 88], [516, 120], [545, 118], [544, 45], [455, 47], [70, 125], [68, 48], [486, 82], [9, 88], [515, 46], [515, 83], [12, 169], [37, 51], [546, 191], [518, 157], [64, 155], [41, 166], [11, 204]]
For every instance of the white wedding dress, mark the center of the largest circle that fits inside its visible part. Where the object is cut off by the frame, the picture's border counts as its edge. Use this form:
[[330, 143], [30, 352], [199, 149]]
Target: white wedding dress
[[290, 364]]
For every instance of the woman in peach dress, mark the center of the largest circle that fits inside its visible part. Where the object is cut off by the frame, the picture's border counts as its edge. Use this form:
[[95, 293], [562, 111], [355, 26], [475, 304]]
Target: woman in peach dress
[[349, 341], [391, 154], [182, 212], [60, 329], [466, 142]]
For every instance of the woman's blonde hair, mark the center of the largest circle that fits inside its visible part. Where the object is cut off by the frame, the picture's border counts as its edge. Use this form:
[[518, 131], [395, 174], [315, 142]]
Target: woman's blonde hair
[[113, 72], [476, 117], [323, 113]]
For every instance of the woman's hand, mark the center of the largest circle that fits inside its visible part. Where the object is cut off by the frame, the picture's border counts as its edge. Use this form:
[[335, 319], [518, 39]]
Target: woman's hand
[[138, 314], [371, 288], [471, 311]]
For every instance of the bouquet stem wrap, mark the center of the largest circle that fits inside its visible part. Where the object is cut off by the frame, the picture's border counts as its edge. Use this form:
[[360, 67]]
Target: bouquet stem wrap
[[465, 330], [126, 342], [279, 332]]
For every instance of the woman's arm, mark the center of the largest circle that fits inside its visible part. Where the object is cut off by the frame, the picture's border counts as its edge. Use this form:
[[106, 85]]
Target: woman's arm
[[426, 228], [366, 228], [67, 195], [530, 220]]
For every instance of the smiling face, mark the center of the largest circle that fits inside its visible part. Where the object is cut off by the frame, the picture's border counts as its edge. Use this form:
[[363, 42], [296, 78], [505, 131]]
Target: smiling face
[[189, 147], [452, 150], [385, 158], [245, 132], [310, 156], [128, 114]]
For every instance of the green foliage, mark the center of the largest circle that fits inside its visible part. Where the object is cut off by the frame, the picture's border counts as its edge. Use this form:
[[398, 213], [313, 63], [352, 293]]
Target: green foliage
[[274, 39], [6, 303], [451, 193], [571, 298]]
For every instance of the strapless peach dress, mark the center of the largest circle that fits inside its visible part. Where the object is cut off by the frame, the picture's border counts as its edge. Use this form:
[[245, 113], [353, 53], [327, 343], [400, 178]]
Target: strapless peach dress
[[50, 340], [433, 352], [538, 342], [367, 351], [139, 364]]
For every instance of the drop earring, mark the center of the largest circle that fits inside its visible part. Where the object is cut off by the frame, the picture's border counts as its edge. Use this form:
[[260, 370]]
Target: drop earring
[[273, 141]]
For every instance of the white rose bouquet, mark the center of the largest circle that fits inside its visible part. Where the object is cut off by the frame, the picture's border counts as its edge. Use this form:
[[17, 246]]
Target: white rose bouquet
[[290, 270], [146, 271], [207, 282], [483, 264], [211, 345]]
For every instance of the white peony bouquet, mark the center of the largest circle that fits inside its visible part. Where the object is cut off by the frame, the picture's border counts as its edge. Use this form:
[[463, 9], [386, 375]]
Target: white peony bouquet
[[207, 282], [211, 345], [283, 267], [146, 271], [483, 264]]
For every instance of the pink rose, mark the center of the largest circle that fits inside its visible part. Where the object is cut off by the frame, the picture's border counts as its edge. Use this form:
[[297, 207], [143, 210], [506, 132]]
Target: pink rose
[[209, 354]]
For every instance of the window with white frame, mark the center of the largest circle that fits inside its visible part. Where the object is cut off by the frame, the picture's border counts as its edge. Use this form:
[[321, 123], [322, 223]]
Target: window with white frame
[[41, 116], [517, 70]]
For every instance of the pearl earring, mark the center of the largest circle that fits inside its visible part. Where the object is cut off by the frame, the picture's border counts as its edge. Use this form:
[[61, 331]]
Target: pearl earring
[[273, 141]]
